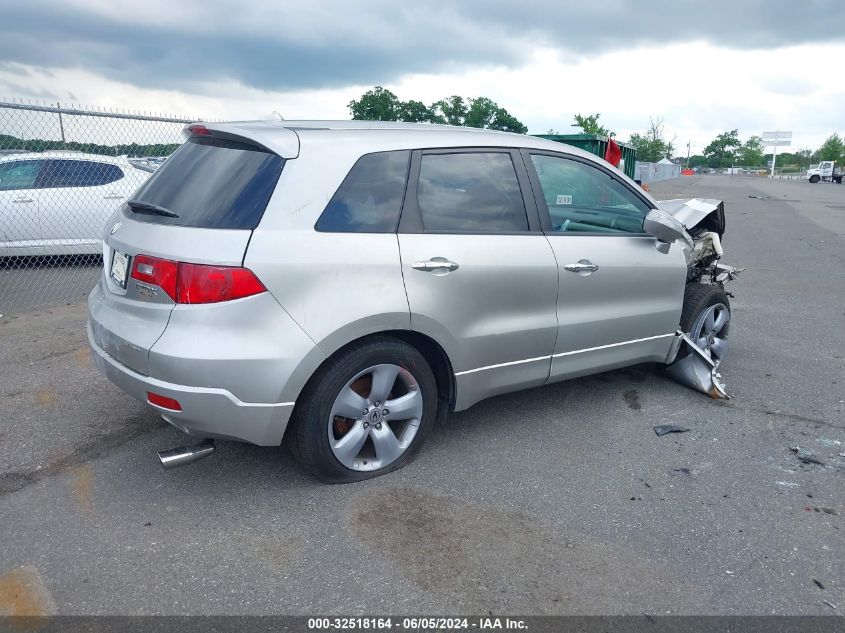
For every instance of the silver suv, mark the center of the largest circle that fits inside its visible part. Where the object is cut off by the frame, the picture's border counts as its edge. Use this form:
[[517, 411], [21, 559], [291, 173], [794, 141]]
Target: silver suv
[[341, 285]]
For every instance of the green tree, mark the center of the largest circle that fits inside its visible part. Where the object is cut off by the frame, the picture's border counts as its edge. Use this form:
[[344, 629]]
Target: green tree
[[486, 113], [721, 152], [589, 124], [378, 104], [481, 112], [804, 157], [750, 153], [414, 112], [135, 150], [651, 146], [450, 111], [832, 149]]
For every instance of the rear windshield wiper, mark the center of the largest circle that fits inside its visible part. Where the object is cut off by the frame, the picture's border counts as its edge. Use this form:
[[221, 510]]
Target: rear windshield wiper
[[148, 207]]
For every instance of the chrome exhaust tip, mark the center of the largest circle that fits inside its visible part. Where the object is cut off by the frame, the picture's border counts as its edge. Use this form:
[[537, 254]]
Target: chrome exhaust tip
[[183, 455]]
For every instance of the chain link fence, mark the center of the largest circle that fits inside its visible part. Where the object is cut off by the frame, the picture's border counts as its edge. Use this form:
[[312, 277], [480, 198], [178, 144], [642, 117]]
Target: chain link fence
[[63, 172]]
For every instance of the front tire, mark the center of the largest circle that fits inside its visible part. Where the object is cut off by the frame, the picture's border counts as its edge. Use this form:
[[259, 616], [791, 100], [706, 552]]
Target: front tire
[[814, 179], [706, 317], [366, 412]]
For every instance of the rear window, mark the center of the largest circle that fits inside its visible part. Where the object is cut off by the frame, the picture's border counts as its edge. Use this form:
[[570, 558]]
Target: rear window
[[370, 198], [470, 192], [213, 183]]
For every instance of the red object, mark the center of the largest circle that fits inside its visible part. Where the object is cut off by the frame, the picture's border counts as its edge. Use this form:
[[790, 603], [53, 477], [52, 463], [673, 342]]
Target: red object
[[156, 272], [163, 401], [613, 154], [210, 284], [688, 172], [196, 283], [199, 130]]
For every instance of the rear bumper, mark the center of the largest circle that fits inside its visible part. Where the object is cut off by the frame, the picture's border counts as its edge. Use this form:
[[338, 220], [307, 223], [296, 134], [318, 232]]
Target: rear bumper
[[206, 412]]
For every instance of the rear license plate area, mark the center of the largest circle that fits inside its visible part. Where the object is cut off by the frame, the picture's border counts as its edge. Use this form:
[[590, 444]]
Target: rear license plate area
[[120, 268]]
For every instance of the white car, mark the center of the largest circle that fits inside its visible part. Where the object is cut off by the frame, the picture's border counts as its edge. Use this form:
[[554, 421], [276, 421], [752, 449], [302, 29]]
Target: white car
[[56, 203]]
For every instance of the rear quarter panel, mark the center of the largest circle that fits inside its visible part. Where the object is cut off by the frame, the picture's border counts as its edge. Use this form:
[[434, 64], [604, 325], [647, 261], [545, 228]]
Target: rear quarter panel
[[336, 286]]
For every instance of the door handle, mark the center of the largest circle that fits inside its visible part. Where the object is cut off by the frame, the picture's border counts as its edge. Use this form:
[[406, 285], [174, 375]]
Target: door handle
[[113, 196], [583, 267], [435, 264], [22, 200]]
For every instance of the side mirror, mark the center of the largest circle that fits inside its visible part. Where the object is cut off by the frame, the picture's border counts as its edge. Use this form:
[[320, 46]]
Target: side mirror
[[664, 227]]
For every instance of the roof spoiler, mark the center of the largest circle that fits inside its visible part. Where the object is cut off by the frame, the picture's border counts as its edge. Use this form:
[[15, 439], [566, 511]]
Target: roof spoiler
[[269, 135]]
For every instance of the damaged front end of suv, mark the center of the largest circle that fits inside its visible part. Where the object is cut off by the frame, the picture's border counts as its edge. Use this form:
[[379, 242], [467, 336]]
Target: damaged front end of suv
[[701, 339]]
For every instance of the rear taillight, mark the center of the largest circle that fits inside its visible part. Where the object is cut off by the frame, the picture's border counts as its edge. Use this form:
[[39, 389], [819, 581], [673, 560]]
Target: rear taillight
[[210, 284], [196, 283], [156, 272]]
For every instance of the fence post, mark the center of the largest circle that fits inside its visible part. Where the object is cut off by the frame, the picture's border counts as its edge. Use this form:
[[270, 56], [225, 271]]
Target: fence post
[[61, 123]]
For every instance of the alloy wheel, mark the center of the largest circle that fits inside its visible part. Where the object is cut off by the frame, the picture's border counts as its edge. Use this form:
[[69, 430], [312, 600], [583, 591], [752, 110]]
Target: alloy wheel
[[375, 417], [710, 330]]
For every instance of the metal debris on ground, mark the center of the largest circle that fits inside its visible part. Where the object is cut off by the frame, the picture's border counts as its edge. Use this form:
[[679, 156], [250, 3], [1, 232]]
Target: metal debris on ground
[[806, 456], [829, 604], [663, 429], [818, 583]]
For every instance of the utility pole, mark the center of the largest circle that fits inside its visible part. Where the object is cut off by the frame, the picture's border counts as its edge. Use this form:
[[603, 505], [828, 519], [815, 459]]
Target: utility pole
[[688, 146]]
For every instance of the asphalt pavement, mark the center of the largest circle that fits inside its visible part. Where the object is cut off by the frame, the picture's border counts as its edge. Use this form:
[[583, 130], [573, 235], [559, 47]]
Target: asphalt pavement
[[556, 500]]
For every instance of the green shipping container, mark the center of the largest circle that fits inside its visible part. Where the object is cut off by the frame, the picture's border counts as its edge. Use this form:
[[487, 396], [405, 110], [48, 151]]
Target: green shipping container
[[597, 145]]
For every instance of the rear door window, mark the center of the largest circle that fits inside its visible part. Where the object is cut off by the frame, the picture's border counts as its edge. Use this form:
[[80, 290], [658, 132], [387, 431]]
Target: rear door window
[[19, 174], [470, 192], [209, 182], [370, 198], [77, 173]]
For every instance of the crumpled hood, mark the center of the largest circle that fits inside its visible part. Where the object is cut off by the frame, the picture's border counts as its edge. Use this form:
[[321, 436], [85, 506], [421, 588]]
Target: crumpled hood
[[692, 211]]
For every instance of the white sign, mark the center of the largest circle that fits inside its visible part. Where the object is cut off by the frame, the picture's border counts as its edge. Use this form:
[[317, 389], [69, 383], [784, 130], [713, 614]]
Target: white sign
[[777, 138]]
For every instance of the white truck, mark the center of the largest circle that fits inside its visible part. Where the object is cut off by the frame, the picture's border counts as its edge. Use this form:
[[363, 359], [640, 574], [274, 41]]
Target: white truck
[[826, 171]]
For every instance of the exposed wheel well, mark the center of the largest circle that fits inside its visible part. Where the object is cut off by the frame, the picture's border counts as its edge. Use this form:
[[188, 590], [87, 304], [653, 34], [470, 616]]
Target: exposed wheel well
[[431, 350], [437, 359]]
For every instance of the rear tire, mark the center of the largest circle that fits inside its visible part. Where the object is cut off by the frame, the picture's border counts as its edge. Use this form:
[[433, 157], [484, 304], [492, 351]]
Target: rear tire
[[332, 436]]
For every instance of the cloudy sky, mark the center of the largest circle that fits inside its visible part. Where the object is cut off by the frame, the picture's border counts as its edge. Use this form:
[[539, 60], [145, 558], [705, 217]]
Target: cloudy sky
[[704, 66]]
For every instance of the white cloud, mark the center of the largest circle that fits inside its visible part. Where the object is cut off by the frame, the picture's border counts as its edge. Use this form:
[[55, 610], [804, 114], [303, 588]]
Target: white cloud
[[698, 89]]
